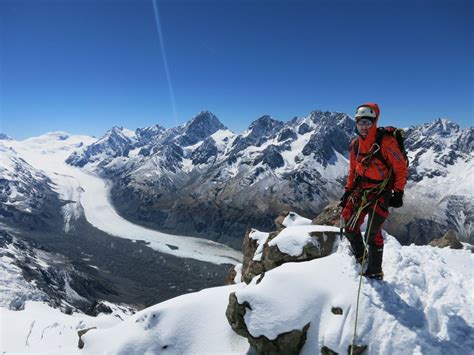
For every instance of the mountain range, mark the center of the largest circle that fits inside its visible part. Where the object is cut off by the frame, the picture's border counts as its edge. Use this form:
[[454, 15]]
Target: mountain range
[[202, 179]]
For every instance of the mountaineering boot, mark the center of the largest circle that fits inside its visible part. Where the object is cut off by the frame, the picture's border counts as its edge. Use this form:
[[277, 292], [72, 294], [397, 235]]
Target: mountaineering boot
[[374, 268], [357, 246]]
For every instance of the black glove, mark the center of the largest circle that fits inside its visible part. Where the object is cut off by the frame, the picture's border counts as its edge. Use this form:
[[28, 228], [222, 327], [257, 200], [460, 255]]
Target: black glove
[[397, 199], [344, 199]]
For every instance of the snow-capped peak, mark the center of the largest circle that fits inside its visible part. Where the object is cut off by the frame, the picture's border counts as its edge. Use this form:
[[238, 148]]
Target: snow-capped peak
[[118, 132], [201, 126]]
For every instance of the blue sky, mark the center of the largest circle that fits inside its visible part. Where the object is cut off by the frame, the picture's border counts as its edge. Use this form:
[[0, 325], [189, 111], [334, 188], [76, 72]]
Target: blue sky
[[85, 66]]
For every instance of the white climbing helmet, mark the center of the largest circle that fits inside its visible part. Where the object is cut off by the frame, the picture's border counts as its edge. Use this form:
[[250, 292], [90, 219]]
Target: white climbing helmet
[[365, 111]]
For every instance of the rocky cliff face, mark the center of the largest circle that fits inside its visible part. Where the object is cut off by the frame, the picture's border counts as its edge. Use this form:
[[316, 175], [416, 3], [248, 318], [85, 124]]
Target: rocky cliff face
[[27, 198], [32, 272], [439, 194]]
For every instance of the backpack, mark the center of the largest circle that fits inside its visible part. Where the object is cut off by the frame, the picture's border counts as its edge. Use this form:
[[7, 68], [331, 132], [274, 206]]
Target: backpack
[[397, 133]]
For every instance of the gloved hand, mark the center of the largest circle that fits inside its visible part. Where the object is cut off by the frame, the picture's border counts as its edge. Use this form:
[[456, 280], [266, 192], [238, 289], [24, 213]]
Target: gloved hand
[[344, 199], [397, 199]]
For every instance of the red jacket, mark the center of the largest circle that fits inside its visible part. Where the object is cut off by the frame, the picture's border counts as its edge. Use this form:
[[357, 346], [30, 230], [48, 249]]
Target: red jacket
[[377, 170]]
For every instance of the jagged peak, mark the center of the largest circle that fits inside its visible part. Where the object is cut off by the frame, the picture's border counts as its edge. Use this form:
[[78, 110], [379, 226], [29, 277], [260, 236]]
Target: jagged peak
[[205, 116], [200, 127], [119, 131], [149, 131], [4, 137], [439, 125], [265, 121], [153, 128], [445, 124]]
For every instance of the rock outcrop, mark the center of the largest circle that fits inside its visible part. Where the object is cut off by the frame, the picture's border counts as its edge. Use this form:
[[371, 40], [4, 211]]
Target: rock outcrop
[[286, 343], [329, 216], [448, 240], [296, 239], [262, 252]]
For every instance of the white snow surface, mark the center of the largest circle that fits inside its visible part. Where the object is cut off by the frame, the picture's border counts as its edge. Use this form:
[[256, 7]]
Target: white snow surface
[[424, 306], [89, 194], [41, 329], [261, 238], [292, 240], [294, 219], [222, 138]]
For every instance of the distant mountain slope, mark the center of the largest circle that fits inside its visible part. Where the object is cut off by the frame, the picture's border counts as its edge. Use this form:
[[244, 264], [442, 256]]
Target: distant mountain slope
[[440, 193], [26, 197]]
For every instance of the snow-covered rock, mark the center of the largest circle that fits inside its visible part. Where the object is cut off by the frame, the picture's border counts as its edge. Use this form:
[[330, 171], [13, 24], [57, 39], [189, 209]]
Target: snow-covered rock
[[295, 239]]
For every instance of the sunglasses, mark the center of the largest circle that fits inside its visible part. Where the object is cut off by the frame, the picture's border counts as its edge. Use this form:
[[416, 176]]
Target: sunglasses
[[364, 122]]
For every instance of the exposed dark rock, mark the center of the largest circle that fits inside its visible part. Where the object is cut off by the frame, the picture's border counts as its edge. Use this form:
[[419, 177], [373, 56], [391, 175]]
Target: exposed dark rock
[[448, 240], [336, 310], [200, 127], [358, 349], [289, 342], [287, 133], [248, 250], [235, 313], [271, 157], [230, 277], [330, 216], [326, 351], [80, 333], [98, 307], [280, 219]]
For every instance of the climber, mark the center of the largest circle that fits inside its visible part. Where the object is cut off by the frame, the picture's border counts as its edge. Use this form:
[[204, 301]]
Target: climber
[[377, 178]]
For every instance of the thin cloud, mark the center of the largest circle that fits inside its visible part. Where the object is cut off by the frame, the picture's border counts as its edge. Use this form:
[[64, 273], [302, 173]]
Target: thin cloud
[[165, 61]]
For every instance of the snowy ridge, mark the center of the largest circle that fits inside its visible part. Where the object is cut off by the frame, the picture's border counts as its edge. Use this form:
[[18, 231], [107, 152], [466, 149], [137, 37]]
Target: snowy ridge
[[425, 300]]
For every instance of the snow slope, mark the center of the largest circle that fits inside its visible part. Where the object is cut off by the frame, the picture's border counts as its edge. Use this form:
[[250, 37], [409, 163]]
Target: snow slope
[[42, 329], [88, 194], [424, 306]]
